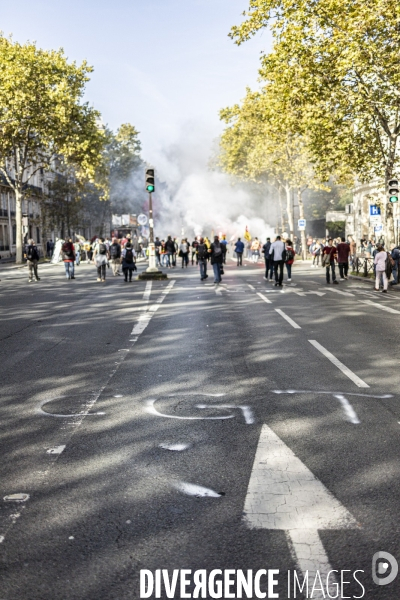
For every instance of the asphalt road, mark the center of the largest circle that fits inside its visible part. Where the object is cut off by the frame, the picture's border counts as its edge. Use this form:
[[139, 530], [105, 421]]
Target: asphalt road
[[176, 425]]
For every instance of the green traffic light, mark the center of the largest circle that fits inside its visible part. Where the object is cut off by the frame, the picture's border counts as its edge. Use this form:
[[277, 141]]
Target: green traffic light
[[150, 188], [393, 199]]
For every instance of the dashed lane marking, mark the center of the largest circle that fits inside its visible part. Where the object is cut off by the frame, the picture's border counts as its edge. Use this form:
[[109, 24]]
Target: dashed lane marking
[[359, 382], [267, 300], [288, 319], [381, 306]]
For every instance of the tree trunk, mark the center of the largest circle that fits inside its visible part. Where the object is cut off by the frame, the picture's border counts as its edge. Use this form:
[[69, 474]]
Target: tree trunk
[[289, 208], [281, 210], [18, 222], [303, 233]]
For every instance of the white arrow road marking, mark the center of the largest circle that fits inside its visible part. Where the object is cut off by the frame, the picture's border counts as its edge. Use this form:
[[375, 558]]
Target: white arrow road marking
[[301, 293], [267, 300], [288, 319], [284, 494], [359, 382], [381, 306]]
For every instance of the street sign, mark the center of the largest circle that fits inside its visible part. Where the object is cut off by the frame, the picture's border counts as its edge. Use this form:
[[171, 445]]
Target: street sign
[[378, 228], [301, 224], [374, 210], [142, 219]]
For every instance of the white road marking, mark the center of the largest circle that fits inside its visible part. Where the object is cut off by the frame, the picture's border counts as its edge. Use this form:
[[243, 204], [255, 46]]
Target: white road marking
[[284, 494], [20, 497], [301, 293], [350, 413], [175, 447], [267, 300], [332, 393], [340, 292], [381, 306], [196, 490], [251, 286], [56, 450], [359, 382], [150, 408], [288, 319], [1, 539], [147, 291], [246, 410]]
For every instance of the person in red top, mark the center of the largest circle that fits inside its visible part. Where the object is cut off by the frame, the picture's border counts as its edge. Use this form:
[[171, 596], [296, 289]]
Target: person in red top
[[343, 252], [68, 255], [330, 266]]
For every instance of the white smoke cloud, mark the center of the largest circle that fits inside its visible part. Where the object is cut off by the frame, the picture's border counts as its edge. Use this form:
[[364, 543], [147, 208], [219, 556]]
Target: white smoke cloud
[[198, 200]]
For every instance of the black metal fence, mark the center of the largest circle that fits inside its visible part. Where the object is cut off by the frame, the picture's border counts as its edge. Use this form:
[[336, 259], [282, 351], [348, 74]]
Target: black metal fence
[[362, 266]]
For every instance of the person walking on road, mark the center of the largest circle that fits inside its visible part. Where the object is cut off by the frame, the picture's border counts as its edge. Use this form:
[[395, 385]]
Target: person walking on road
[[343, 252], [184, 253], [202, 256], [380, 262], [128, 257], [100, 258], [328, 261], [77, 248], [316, 252], [115, 256], [194, 251], [170, 251], [68, 255], [217, 259], [269, 263], [224, 242], [32, 259], [255, 250], [239, 249], [290, 256], [395, 271], [277, 251]]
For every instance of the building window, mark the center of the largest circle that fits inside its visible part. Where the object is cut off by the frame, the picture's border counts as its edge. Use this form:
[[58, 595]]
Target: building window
[[38, 235], [14, 230]]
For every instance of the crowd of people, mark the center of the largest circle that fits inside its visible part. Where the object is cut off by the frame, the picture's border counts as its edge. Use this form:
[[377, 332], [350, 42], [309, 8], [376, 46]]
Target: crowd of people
[[278, 255]]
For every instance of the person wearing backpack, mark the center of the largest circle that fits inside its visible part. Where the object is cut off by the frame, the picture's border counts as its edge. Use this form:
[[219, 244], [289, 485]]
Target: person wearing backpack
[[32, 258], [68, 256], [128, 261], [329, 255], [217, 258], [202, 256], [290, 256], [115, 256], [100, 258]]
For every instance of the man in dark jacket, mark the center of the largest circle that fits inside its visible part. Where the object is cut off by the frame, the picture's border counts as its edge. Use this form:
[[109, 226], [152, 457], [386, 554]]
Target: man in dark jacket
[[239, 249], [269, 263], [217, 258], [170, 249], [32, 258], [201, 258]]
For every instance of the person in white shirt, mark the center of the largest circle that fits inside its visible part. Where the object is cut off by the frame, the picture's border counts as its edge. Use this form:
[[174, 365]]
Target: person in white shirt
[[276, 250], [380, 269]]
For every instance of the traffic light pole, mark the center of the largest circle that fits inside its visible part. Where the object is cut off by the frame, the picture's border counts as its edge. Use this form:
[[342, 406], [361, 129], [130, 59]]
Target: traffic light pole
[[152, 250]]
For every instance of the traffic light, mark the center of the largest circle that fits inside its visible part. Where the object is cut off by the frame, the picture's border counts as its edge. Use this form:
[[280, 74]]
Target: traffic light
[[393, 190], [150, 180]]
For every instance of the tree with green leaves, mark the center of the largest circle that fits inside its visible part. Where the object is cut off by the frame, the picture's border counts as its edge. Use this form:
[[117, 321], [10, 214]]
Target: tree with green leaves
[[337, 64], [123, 160], [42, 117]]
